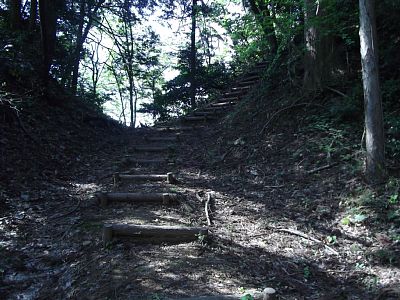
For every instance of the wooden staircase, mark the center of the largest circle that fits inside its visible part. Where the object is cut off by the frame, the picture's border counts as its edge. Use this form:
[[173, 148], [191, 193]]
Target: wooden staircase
[[214, 110], [148, 166]]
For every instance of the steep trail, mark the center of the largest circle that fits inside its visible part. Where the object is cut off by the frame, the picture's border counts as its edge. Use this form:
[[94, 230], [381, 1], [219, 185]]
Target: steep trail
[[156, 196], [267, 225]]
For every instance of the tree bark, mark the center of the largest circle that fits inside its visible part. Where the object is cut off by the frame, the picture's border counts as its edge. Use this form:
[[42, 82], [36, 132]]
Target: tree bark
[[312, 74], [81, 38], [264, 18], [375, 161], [48, 26], [33, 14], [193, 57], [14, 7]]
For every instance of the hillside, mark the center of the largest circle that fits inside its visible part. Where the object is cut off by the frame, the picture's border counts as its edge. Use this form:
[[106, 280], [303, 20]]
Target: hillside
[[288, 208], [271, 170]]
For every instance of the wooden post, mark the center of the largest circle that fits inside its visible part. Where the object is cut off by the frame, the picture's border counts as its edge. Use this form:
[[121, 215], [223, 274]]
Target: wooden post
[[164, 198], [169, 177], [107, 234], [153, 148], [102, 199], [153, 233], [162, 138], [129, 160]]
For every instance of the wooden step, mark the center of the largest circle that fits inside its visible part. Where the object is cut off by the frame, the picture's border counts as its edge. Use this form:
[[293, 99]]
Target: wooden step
[[241, 88], [162, 138], [214, 109], [247, 83], [162, 198], [179, 128], [169, 177], [225, 99], [153, 233], [223, 104], [236, 93], [153, 148], [142, 162], [252, 78], [204, 113], [194, 119]]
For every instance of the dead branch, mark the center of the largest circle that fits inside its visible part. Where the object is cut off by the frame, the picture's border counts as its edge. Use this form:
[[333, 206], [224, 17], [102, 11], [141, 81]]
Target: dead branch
[[337, 92], [78, 205], [306, 236], [274, 115], [322, 168], [300, 234], [207, 207]]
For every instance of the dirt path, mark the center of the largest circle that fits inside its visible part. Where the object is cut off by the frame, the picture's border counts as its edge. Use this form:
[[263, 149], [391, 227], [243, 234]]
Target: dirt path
[[276, 211]]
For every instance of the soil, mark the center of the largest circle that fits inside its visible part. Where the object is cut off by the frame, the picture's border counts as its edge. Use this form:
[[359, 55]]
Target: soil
[[282, 212]]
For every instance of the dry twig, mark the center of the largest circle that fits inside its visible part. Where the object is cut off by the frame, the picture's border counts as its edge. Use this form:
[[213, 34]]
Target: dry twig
[[285, 109], [322, 168], [207, 207]]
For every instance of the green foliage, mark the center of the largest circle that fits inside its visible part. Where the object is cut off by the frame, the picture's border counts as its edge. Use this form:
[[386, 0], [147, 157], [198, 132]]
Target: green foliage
[[393, 135], [173, 98], [331, 239], [306, 272], [348, 109], [247, 297], [384, 257], [393, 199]]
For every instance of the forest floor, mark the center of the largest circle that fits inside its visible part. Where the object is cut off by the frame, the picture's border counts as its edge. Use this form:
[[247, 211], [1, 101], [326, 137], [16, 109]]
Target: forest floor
[[289, 210]]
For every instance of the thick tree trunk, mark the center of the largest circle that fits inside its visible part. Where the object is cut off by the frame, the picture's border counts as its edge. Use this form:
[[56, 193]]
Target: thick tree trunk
[[14, 7], [33, 13], [78, 47], [375, 160], [264, 18], [48, 26], [193, 57], [312, 71]]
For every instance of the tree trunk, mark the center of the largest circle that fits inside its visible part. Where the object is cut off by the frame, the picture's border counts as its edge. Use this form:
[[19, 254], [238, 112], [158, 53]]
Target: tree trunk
[[121, 96], [81, 38], [78, 47], [193, 57], [263, 17], [48, 26], [131, 106], [375, 160], [14, 7], [33, 13], [312, 75]]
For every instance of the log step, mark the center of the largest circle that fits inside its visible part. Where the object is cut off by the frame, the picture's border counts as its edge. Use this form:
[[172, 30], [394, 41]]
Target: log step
[[162, 198], [247, 82], [241, 88], [223, 104], [153, 148], [204, 113], [217, 109], [194, 119], [152, 233], [162, 138], [178, 128], [225, 99], [255, 75], [139, 162], [228, 94], [169, 177]]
